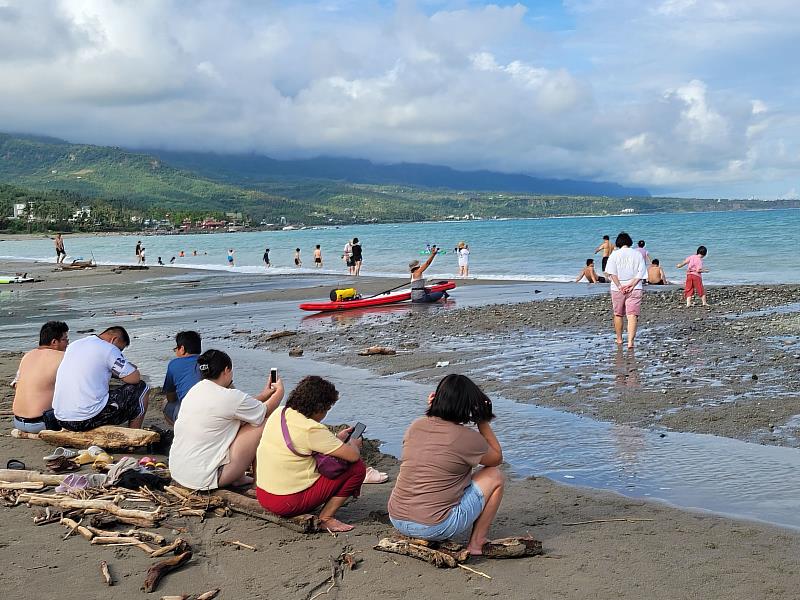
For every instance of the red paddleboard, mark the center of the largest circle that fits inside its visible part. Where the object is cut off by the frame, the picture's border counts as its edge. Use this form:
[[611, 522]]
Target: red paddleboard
[[380, 300]]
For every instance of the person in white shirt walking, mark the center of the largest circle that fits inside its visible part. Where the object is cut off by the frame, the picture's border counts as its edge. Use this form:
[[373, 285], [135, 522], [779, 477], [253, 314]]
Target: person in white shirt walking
[[626, 269]]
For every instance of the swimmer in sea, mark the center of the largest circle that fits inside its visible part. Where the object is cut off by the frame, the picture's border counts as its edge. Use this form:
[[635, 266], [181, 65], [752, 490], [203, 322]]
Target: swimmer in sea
[[297, 261], [231, 260], [607, 248], [318, 256], [266, 258]]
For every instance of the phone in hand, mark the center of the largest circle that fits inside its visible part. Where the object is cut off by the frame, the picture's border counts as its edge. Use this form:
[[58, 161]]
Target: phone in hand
[[357, 432], [273, 375]]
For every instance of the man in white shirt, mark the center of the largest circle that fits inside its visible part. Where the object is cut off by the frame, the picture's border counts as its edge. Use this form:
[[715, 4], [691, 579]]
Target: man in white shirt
[[82, 399], [626, 269]]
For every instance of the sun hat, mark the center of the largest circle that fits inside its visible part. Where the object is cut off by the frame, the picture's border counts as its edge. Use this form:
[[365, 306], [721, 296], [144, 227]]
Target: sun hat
[[413, 265]]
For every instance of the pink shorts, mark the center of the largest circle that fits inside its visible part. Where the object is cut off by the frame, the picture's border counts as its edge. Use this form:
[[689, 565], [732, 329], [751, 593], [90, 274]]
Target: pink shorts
[[626, 304]]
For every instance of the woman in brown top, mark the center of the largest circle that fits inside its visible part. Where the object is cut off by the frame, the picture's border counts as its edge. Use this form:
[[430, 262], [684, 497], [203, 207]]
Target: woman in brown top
[[437, 495]]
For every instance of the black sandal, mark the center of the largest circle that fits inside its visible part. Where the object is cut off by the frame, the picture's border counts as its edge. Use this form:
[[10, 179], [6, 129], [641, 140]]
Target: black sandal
[[16, 465]]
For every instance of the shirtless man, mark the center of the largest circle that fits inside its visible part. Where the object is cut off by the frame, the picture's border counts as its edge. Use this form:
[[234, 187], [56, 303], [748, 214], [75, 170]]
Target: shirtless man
[[318, 256], [61, 254], [607, 248], [589, 273], [36, 377], [655, 274]]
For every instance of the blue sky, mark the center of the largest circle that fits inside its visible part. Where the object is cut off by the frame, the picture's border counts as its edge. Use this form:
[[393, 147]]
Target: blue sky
[[684, 97]]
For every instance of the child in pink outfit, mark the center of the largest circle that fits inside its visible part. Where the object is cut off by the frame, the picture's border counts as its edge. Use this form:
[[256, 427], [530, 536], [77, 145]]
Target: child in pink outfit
[[694, 278]]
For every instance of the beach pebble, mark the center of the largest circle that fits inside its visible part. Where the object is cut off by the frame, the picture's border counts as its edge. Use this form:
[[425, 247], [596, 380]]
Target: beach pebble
[[296, 352]]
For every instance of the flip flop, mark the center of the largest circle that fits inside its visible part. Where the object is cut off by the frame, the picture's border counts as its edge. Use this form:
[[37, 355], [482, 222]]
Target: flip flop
[[59, 452], [61, 465], [375, 476], [16, 465], [73, 482]]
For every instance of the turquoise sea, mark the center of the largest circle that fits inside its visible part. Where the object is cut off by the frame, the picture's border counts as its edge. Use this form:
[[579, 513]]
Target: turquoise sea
[[743, 246]]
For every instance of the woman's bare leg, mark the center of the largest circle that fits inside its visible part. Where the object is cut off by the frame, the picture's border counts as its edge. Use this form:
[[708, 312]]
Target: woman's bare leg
[[326, 515], [492, 482], [242, 453]]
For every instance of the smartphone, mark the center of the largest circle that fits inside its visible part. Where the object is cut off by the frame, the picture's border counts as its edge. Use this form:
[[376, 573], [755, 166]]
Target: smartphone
[[273, 375], [357, 432]]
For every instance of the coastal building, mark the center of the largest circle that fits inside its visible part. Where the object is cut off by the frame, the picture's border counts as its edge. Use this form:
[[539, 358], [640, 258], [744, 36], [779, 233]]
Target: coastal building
[[19, 210]]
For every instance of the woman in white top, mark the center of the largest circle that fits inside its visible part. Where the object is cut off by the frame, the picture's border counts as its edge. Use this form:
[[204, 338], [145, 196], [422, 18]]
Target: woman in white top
[[219, 427], [463, 260]]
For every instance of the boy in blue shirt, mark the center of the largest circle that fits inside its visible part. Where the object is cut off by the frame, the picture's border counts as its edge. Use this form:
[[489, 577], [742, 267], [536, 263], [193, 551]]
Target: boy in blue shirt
[[182, 372]]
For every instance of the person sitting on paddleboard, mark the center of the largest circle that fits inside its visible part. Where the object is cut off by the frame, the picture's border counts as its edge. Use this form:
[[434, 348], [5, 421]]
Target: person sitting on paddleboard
[[418, 292]]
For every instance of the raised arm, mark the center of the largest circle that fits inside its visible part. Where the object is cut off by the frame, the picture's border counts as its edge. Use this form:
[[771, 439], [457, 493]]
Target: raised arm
[[428, 262], [272, 394]]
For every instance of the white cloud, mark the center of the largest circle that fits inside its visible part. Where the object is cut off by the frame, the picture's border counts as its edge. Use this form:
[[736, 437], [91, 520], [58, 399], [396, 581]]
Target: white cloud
[[676, 95]]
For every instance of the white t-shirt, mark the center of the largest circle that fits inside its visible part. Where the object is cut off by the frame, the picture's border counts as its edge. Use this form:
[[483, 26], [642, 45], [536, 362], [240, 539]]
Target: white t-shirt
[[207, 424], [463, 257], [82, 380], [627, 264]]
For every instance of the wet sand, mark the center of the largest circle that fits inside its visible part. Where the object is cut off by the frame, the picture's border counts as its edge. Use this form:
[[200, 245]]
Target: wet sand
[[677, 554], [718, 370]]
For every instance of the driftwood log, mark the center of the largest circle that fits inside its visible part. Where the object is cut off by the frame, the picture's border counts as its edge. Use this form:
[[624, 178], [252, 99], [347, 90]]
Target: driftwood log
[[251, 507], [382, 350], [116, 540], [161, 568], [12, 475], [422, 551], [178, 546], [451, 554], [276, 335], [77, 527], [106, 573], [21, 485], [108, 437], [142, 518]]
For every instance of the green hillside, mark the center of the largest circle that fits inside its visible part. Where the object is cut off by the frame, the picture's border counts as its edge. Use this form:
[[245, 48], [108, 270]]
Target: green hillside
[[142, 185]]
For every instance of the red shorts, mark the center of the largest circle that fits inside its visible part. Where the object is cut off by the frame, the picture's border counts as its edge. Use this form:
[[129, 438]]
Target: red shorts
[[323, 489], [626, 304], [694, 283]]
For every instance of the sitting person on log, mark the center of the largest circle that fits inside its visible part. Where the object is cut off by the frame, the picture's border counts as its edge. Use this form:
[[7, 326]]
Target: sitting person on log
[[437, 495], [36, 378], [82, 399], [182, 373], [295, 448], [218, 428]]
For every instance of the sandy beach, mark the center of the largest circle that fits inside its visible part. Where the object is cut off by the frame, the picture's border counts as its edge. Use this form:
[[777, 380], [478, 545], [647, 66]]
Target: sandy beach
[[660, 552]]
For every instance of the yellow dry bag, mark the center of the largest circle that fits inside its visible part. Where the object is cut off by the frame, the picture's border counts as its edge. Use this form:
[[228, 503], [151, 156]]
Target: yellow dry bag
[[345, 294]]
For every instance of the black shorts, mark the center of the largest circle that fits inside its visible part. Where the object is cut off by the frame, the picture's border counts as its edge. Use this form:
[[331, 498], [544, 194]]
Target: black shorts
[[60, 252], [318, 261], [605, 262], [125, 403], [351, 262]]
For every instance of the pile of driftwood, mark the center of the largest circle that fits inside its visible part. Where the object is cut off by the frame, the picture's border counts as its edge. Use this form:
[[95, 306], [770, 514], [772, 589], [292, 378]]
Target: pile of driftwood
[[451, 554]]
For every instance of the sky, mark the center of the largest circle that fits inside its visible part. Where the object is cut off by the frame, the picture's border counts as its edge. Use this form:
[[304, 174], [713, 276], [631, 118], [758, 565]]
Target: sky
[[683, 97]]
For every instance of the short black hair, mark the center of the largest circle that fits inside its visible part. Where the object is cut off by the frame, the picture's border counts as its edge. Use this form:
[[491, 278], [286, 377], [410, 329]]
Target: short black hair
[[640, 243], [702, 250], [317, 245], [589, 261], [120, 332], [190, 340], [297, 249], [605, 237], [655, 262], [312, 395], [623, 239], [52, 331], [212, 363], [355, 240], [459, 400]]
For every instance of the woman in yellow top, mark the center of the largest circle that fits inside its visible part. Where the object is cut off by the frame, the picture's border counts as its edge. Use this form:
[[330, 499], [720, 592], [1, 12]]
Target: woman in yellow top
[[287, 480]]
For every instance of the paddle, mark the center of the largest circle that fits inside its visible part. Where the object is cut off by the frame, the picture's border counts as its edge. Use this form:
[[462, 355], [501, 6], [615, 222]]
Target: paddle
[[387, 291]]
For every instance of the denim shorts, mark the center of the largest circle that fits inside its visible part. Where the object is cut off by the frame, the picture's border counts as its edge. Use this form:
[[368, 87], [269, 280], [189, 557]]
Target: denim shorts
[[460, 519], [28, 427]]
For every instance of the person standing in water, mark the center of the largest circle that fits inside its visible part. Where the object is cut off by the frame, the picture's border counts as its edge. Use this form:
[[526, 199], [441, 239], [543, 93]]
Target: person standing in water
[[357, 257], [463, 259], [627, 270], [231, 259], [298, 262], [139, 252], [347, 256], [643, 251], [61, 254], [418, 292], [317, 256], [266, 258], [607, 248]]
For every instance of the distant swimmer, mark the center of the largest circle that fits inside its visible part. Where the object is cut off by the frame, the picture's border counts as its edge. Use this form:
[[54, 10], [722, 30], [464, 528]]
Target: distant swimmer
[[266, 258], [161, 262], [694, 278], [463, 259], [607, 248], [194, 252], [655, 274], [181, 254], [589, 273], [172, 260], [61, 254], [643, 251], [231, 260], [297, 260], [318, 256], [419, 294]]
